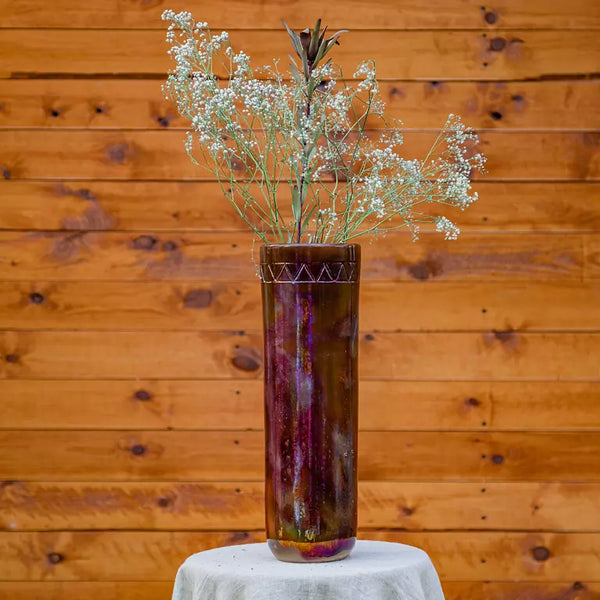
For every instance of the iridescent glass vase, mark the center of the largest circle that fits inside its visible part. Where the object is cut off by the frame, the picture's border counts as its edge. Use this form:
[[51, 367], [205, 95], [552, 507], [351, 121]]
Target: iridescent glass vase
[[310, 318]]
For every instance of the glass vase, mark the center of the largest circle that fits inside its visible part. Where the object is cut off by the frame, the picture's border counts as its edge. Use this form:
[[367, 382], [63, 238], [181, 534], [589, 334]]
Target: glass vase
[[310, 320]]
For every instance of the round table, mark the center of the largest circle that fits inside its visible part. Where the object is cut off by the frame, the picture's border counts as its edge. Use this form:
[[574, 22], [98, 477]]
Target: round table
[[374, 571]]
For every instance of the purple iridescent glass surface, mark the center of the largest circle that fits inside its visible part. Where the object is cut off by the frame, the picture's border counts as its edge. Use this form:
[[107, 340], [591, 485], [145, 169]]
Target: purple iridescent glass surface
[[310, 312]]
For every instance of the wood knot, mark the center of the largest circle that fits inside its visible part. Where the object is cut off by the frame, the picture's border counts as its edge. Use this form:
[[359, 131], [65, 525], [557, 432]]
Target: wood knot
[[86, 194], [396, 92], [118, 153], [505, 336], [497, 44], [163, 121], [425, 269], [145, 242], [6, 174], [163, 502], [419, 271], [517, 98], [100, 110], [238, 536], [54, 113], [36, 298], [408, 511], [55, 557], [490, 17], [498, 459], [245, 363], [496, 115], [138, 449], [142, 395], [198, 298], [12, 358], [578, 586], [472, 402], [169, 246], [369, 337], [540, 553]]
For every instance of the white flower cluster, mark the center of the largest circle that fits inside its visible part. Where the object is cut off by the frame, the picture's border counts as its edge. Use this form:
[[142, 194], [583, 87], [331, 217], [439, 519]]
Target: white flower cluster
[[445, 226], [258, 129]]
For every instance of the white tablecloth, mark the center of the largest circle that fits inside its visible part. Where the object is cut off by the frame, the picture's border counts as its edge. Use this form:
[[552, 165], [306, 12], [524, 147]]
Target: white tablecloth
[[374, 571]]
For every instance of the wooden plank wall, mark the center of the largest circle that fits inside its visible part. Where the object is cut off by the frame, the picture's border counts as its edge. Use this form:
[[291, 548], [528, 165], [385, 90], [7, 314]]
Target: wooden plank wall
[[130, 350]]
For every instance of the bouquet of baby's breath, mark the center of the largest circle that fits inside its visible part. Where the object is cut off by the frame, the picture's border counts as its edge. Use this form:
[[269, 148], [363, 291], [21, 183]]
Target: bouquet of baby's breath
[[260, 129]]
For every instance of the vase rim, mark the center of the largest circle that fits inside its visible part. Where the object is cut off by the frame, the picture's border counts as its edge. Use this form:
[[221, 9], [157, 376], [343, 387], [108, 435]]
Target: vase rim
[[294, 245]]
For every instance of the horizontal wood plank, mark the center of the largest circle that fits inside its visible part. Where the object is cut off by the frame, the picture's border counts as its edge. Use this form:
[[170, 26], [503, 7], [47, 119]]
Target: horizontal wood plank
[[522, 54], [238, 405], [352, 14], [91, 590], [201, 206], [152, 556], [139, 104], [592, 255], [56, 154], [508, 355], [222, 506], [239, 456], [522, 590], [81, 256], [410, 306], [159, 590]]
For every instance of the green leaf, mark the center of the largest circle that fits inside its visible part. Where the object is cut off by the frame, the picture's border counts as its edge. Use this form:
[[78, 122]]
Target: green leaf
[[295, 73], [321, 53], [311, 152], [305, 67], [314, 42], [308, 215], [296, 43], [296, 205]]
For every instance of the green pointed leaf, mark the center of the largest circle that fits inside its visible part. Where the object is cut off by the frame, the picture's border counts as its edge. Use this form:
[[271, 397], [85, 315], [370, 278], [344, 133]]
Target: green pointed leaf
[[296, 206], [322, 36], [321, 52], [305, 67], [295, 38], [314, 42], [295, 73], [308, 215]]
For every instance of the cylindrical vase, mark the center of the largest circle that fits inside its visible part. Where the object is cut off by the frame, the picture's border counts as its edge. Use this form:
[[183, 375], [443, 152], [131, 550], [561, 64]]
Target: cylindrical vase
[[310, 318]]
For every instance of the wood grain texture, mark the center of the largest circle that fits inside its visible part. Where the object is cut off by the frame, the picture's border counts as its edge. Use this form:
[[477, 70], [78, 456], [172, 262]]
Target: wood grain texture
[[592, 256], [238, 405], [503, 356], [522, 590], [526, 54], [140, 104], [91, 590], [55, 154], [240, 505], [239, 456], [130, 348], [200, 206], [217, 305], [159, 590], [80, 255], [357, 14], [152, 556]]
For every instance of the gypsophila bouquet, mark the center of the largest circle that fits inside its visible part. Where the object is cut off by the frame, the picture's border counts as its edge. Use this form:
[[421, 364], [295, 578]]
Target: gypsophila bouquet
[[308, 129]]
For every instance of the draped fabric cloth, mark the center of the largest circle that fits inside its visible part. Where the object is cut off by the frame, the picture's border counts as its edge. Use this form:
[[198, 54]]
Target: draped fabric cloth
[[374, 571]]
